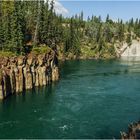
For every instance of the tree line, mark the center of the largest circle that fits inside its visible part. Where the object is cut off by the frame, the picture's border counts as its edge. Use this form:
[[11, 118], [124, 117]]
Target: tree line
[[25, 21], [28, 24]]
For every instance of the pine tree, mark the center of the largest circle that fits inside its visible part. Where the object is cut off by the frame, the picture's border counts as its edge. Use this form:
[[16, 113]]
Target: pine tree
[[50, 24], [128, 39], [37, 22], [1, 28], [41, 22], [45, 23], [107, 18], [120, 32], [17, 26], [131, 22]]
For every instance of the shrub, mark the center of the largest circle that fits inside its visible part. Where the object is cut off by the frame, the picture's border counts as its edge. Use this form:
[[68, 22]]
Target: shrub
[[7, 54], [41, 49]]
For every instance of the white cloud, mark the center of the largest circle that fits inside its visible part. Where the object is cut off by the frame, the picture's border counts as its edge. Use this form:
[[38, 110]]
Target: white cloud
[[59, 8]]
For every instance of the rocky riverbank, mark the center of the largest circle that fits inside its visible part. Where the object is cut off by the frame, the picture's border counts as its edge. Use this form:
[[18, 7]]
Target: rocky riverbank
[[26, 72], [133, 131]]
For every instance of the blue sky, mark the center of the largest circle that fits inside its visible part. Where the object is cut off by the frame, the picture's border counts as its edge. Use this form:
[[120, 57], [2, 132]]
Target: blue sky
[[116, 9]]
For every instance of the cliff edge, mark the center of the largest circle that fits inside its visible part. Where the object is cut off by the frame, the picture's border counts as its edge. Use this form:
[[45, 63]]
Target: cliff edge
[[26, 72]]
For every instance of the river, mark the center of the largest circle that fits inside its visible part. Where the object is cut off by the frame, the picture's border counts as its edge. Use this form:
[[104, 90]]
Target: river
[[92, 99]]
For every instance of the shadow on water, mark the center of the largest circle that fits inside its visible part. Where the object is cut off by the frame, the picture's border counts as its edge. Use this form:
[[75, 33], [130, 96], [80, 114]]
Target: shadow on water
[[45, 92], [73, 66], [120, 67]]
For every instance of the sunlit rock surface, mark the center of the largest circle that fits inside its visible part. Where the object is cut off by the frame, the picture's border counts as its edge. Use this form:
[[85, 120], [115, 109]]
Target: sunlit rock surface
[[124, 50], [25, 72]]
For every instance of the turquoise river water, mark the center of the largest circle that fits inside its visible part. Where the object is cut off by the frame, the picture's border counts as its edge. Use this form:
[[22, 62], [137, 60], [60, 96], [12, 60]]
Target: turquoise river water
[[92, 99]]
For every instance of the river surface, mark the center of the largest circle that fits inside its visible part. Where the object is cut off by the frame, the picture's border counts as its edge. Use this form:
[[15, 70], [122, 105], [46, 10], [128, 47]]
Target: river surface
[[93, 99]]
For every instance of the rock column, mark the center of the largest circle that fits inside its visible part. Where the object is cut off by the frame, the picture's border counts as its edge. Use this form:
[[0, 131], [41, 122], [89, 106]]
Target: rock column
[[26, 72]]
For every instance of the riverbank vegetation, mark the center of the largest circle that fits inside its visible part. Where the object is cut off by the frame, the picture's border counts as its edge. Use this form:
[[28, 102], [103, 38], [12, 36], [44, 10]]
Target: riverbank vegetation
[[26, 25]]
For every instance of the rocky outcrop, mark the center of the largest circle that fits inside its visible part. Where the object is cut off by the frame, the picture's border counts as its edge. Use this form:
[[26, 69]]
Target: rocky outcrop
[[124, 50], [133, 131], [26, 72]]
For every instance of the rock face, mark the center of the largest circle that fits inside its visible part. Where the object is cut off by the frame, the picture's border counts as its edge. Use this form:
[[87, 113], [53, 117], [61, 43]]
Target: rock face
[[133, 131], [25, 72], [123, 50]]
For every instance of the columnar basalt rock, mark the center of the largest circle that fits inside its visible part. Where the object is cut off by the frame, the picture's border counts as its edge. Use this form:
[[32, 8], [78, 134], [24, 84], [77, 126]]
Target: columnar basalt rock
[[26, 72], [55, 74], [12, 81]]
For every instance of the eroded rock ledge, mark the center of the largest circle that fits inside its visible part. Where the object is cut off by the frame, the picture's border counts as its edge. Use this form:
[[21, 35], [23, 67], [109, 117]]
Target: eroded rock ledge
[[133, 131], [26, 72]]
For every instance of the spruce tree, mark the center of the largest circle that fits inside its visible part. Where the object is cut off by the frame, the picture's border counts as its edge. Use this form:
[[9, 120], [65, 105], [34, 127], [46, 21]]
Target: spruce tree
[[128, 39], [41, 22], [1, 28], [17, 27], [107, 18], [45, 17], [6, 12]]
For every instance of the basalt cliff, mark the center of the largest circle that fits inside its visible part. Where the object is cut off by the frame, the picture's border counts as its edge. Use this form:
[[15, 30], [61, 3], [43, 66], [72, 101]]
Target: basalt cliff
[[26, 72]]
